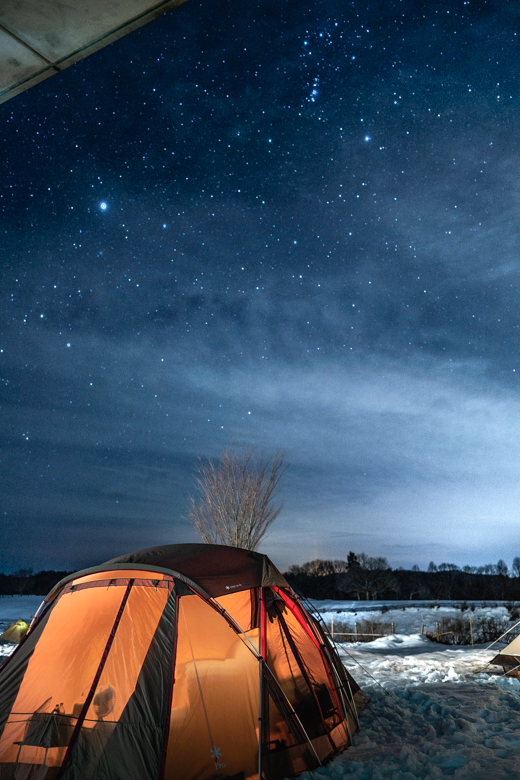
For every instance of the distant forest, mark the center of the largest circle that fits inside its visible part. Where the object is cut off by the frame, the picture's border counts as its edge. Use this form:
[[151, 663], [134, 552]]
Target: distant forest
[[366, 578], [25, 581], [360, 577]]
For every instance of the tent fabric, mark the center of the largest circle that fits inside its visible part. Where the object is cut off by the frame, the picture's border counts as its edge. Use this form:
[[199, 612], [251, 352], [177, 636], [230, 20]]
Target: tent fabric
[[215, 567], [131, 674], [513, 648], [509, 658]]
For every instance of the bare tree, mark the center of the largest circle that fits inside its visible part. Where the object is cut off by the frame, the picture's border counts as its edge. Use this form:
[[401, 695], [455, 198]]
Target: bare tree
[[236, 503], [367, 575]]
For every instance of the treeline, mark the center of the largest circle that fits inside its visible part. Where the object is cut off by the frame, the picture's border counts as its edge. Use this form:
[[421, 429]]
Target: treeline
[[25, 581], [367, 578]]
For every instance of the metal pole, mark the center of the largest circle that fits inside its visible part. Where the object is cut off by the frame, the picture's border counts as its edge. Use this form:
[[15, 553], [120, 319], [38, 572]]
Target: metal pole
[[317, 616], [260, 675], [332, 626]]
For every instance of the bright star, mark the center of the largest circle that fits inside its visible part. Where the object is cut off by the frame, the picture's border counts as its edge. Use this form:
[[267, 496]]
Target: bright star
[[368, 138], [103, 206]]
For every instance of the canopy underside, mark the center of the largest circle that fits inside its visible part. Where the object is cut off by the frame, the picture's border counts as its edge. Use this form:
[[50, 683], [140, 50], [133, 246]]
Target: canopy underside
[[39, 38]]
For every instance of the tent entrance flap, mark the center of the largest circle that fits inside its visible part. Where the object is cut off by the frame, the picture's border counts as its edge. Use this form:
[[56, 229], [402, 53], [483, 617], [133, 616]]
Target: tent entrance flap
[[286, 747], [214, 710]]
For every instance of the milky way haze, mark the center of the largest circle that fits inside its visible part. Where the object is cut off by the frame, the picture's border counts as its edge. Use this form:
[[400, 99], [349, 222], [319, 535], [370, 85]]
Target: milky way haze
[[284, 225]]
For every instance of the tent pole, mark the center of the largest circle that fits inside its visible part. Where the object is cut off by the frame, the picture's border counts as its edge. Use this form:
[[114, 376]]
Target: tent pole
[[293, 712], [511, 670], [502, 635], [247, 642], [481, 669], [86, 704], [213, 747], [260, 693], [318, 618]]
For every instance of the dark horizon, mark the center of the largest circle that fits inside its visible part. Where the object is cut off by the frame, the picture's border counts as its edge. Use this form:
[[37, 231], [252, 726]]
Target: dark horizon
[[291, 228]]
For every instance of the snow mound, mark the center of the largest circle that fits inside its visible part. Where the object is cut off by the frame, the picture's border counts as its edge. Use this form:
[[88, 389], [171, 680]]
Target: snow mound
[[403, 643]]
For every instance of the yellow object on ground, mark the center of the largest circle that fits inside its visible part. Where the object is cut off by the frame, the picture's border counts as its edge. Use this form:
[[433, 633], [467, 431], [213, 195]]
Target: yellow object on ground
[[16, 632]]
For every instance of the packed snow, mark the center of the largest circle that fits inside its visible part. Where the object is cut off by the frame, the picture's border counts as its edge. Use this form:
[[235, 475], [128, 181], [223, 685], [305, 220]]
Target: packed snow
[[436, 710]]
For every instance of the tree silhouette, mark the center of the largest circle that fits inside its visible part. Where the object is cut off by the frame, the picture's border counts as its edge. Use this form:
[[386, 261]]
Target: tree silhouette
[[236, 504]]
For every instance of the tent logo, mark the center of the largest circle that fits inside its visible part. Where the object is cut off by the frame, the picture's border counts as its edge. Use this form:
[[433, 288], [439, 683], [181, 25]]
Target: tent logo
[[230, 587], [216, 753]]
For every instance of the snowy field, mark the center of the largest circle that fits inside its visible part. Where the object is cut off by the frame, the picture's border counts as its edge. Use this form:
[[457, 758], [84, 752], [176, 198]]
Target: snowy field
[[13, 608], [434, 712], [406, 619]]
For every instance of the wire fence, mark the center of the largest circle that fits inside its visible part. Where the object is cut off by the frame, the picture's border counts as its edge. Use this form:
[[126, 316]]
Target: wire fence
[[465, 630]]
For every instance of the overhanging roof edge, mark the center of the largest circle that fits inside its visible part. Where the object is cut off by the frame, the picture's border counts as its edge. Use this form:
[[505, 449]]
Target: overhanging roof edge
[[78, 54]]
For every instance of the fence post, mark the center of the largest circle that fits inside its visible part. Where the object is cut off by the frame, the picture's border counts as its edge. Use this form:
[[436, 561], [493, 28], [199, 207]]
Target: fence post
[[332, 626], [471, 628], [437, 630], [393, 628], [355, 631], [422, 628]]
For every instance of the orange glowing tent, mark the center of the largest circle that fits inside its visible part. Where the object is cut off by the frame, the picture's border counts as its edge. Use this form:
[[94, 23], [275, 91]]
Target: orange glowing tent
[[188, 661]]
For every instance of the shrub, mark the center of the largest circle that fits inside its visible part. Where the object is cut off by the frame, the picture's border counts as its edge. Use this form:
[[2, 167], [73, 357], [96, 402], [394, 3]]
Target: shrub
[[457, 631], [491, 628]]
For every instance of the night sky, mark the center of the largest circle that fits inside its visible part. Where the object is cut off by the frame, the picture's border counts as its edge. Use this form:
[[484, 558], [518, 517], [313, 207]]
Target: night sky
[[285, 225]]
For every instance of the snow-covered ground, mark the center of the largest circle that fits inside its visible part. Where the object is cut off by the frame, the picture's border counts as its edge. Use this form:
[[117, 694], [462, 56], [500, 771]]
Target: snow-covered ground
[[433, 714], [434, 711], [15, 607]]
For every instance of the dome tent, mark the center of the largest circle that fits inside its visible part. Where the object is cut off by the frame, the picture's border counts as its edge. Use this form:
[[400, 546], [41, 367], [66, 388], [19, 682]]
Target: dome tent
[[188, 661]]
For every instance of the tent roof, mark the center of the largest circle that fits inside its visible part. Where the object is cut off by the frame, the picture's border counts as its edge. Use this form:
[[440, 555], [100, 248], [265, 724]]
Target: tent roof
[[38, 38], [215, 569]]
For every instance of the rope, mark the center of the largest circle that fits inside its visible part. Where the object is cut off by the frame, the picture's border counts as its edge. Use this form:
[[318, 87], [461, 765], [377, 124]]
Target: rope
[[317, 616], [484, 650]]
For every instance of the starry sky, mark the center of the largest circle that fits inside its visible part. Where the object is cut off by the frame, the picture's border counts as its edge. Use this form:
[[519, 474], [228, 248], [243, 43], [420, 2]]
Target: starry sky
[[281, 225]]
